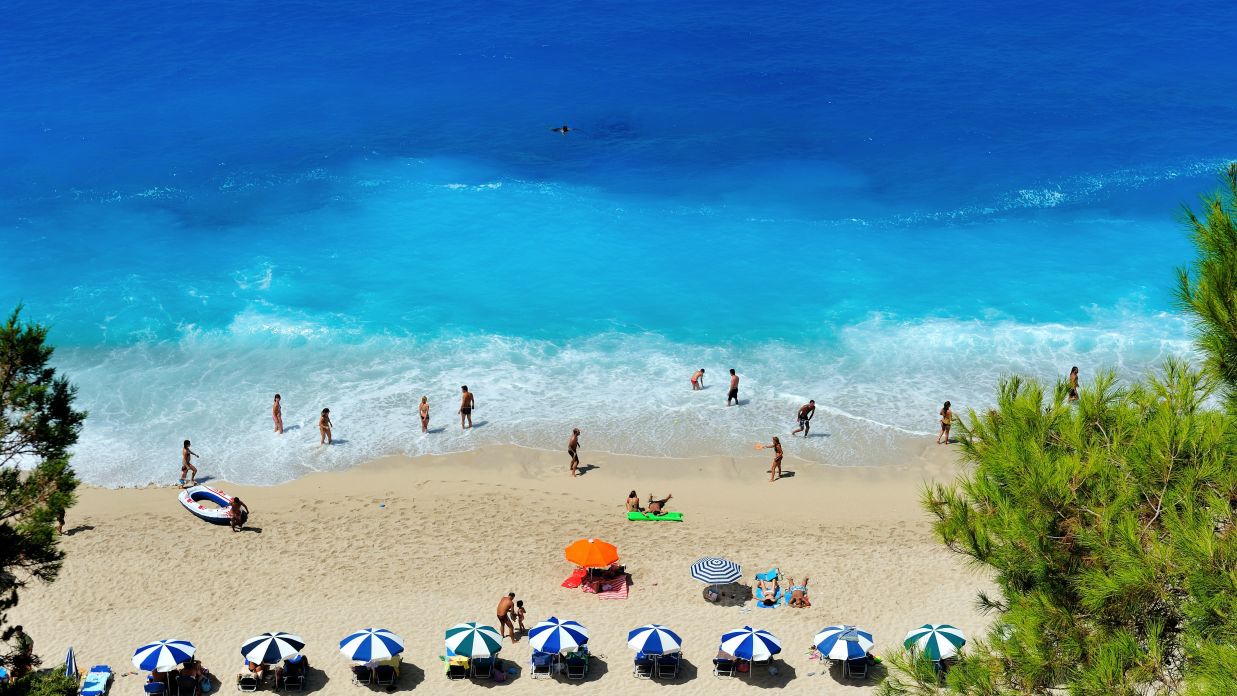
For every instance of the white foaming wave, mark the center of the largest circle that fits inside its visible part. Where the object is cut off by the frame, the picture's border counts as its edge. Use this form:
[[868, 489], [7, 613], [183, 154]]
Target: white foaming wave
[[880, 382]]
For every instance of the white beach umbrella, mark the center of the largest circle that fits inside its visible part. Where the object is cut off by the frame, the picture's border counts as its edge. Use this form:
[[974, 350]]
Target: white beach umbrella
[[272, 648], [843, 642]]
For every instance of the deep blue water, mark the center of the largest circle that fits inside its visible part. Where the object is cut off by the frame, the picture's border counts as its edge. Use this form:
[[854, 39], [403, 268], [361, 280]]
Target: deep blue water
[[354, 204]]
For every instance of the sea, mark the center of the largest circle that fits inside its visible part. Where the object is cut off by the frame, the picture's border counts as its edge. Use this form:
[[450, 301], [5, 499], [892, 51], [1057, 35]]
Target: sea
[[876, 205]]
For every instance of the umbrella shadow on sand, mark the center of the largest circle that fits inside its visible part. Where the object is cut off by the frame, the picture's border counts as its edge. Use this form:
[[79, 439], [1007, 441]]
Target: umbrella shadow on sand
[[732, 594], [760, 678], [876, 674]]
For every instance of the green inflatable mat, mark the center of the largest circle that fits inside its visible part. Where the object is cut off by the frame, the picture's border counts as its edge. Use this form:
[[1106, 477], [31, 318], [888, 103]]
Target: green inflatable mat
[[646, 517]]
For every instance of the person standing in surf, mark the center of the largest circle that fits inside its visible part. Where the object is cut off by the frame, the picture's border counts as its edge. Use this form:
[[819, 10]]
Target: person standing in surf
[[277, 415], [425, 414], [698, 380], [324, 427], [466, 406], [947, 419], [806, 411], [186, 467], [733, 394], [1073, 383], [573, 445]]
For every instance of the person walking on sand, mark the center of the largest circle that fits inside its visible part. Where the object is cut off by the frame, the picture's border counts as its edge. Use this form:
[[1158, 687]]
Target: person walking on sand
[[1073, 383], [733, 394], [573, 446], [806, 411], [324, 427], [186, 467], [425, 414], [506, 609], [238, 512], [277, 414], [775, 472], [698, 380], [466, 406], [519, 616], [947, 419]]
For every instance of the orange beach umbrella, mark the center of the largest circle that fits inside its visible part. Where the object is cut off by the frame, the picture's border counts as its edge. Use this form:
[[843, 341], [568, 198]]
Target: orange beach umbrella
[[591, 553]]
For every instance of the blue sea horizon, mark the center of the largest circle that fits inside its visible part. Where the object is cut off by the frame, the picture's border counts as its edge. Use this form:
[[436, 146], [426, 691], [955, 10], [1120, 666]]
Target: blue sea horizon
[[356, 205]]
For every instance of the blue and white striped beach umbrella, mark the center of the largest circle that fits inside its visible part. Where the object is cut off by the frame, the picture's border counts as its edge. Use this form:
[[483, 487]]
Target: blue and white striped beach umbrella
[[716, 571], [272, 648], [748, 643], [70, 664], [843, 642], [654, 639], [371, 644], [557, 636], [937, 641], [163, 655]]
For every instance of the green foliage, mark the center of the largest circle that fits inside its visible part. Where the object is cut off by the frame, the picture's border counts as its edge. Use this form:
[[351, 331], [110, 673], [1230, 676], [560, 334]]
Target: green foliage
[[1107, 525], [1209, 293], [37, 427], [47, 683]]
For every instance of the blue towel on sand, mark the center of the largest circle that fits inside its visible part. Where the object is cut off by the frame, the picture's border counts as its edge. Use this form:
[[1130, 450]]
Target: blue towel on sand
[[767, 577], [95, 683]]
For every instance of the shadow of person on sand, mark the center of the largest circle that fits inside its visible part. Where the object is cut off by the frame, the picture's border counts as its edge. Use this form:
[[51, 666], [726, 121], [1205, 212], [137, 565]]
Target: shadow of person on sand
[[439, 429], [479, 424], [290, 428], [248, 528], [585, 468]]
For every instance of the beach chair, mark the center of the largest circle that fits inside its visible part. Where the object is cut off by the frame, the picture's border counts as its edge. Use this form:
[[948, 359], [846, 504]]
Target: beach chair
[[293, 675], [96, 681], [855, 669], [723, 667], [643, 666], [483, 668], [577, 663], [542, 665], [668, 666], [246, 681], [384, 675], [186, 686], [155, 687], [362, 675]]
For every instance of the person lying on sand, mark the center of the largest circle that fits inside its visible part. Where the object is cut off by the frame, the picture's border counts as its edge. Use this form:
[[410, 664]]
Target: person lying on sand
[[657, 507], [770, 590], [633, 503], [798, 594]]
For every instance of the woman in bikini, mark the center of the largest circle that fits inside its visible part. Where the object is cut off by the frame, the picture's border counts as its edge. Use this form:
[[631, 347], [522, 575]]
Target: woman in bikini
[[633, 503], [277, 415], [947, 419], [776, 471], [324, 427], [1073, 383], [425, 414]]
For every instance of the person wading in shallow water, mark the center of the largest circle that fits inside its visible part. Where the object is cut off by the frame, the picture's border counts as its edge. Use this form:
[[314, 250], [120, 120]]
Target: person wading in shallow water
[[806, 411], [733, 394], [466, 406], [947, 419]]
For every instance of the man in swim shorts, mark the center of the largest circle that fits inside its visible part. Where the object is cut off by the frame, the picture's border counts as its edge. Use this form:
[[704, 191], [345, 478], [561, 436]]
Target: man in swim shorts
[[698, 380], [466, 406], [806, 411], [733, 394], [506, 608], [573, 445]]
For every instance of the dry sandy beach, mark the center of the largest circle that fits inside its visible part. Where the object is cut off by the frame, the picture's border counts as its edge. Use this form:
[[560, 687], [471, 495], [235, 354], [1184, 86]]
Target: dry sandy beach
[[417, 545]]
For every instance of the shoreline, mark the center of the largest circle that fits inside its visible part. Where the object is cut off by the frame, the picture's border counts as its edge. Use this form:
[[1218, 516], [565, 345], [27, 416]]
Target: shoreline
[[419, 544]]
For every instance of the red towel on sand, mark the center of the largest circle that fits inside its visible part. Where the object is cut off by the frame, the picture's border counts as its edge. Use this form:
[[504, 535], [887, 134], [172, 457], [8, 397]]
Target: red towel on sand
[[573, 581], [614, 590]]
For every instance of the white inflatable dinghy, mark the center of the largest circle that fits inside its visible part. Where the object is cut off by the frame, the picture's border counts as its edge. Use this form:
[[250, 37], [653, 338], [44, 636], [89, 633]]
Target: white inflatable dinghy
[[220, 512]]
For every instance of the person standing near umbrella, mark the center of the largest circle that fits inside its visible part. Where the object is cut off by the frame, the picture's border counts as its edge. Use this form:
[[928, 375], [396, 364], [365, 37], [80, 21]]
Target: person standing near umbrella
[[506, 608], [573, 445]]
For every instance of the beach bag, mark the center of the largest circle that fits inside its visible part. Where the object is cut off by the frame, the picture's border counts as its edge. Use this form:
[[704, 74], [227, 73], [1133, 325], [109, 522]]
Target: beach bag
[[206, 685]]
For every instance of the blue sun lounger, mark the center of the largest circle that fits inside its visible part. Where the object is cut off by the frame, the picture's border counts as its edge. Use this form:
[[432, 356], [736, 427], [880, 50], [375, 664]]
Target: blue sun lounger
[[96, 681]]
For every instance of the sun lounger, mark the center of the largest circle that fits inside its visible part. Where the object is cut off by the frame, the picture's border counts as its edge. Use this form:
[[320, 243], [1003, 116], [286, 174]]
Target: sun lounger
[[654, 517], [855, 669], [96, 681], [577, 663], [384, 675], [456, 667], [186, 686], [643, 666], [293, 675], [542, 664], [723, 667], [155, 687], [247, 681], [668, 666], [483, 667], [362, 675]]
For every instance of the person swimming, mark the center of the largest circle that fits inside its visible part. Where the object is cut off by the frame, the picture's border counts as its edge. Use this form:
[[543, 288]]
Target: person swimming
[[564, 129]]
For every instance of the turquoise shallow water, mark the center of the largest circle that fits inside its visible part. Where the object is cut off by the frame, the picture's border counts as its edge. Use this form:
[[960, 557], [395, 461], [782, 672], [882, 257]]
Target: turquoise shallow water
[[878, 209]]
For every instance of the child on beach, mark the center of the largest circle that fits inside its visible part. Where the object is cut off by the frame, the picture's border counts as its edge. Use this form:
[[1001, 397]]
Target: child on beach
[[186, 467], [324, 427], [519, 616]]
